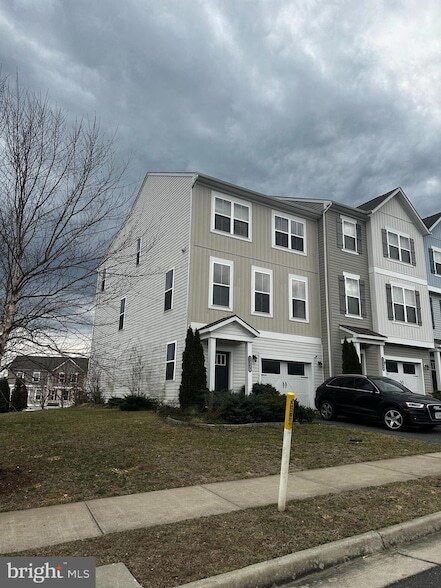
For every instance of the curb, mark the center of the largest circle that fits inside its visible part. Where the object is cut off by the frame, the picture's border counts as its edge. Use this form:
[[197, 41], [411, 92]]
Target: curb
[[295, 565]]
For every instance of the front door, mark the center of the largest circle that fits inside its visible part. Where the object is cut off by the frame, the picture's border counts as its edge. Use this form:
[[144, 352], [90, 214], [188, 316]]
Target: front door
[[221, 371]]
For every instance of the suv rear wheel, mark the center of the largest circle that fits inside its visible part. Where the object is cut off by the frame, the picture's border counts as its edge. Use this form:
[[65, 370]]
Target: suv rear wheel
[[393, 419], [327, 410]]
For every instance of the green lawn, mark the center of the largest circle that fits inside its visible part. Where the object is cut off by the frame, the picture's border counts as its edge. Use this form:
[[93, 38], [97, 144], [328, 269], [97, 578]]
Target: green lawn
[[55, 456]]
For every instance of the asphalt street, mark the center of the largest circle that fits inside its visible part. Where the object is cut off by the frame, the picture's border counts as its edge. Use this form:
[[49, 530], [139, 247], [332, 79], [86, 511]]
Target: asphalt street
[[412, 565], [433, 436]]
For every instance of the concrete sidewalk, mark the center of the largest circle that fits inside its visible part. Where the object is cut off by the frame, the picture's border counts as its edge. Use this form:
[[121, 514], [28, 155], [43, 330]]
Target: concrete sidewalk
[[39, 527]]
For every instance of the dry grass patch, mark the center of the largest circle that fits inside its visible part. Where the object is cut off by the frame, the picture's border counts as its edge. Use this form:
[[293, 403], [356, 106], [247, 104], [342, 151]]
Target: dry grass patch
[[56, 456], [171, 555]]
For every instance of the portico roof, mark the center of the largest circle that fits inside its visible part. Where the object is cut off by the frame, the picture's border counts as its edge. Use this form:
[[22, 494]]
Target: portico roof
[[219, 325], [362, 332]]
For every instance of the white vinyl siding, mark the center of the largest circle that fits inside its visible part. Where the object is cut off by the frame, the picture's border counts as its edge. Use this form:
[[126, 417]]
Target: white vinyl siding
[[221, 284], [231, 216], [261, 291]]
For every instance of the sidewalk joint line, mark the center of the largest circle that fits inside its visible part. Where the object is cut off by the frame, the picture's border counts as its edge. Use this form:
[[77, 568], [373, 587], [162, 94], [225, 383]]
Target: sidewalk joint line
[[219, 496], [93, 517], [418, 558]]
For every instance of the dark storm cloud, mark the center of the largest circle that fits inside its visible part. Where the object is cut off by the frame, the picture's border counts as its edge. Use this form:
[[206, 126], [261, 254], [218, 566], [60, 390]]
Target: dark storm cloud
[[310, 98]]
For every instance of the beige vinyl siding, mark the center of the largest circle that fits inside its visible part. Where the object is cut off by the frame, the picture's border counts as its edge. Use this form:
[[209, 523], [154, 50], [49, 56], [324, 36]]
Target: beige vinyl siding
[[161, 215], [372, 355], [244, 255]]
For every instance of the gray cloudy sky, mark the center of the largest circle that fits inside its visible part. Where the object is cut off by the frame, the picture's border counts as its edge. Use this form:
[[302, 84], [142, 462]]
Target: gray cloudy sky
[[331, 99]]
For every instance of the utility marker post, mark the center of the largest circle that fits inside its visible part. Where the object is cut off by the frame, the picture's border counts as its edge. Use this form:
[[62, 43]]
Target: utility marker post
[[286, 450]]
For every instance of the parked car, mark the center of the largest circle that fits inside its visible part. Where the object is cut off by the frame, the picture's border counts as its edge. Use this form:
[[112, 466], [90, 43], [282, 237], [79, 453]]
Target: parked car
[[376, 398]]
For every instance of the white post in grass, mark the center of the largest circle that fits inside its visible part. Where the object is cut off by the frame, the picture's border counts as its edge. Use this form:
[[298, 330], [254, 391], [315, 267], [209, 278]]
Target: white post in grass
[[286, 450]]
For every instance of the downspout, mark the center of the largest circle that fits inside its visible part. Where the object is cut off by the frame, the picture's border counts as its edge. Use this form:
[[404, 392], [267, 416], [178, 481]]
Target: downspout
[[325, 256]]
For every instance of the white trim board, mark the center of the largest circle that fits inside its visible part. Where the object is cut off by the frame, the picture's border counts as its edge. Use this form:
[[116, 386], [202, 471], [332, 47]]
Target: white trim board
[[402, 277]]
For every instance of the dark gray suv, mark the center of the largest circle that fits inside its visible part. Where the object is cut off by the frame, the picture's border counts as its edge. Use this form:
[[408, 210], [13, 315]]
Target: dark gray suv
[[376, 398]]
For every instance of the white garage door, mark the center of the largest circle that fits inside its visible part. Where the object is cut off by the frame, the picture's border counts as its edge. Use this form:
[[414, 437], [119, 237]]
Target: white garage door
[[288, 376], [407, 373]]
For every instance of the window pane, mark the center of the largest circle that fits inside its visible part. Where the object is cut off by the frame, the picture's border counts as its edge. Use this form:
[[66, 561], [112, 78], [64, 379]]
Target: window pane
[[222, 223], [404, 242], [122, 306], [223, 206], [169, 280], [409, 297], [262, 282], [409, 368], [241, 228], [353, 305], [298, 289], [399, 312], [352, 287], [299, 309], [391, 366], [297, 243], [363, 384], [405, 256], [270, 366], [394, 252], [350, 243], [262, 302], [241, 212], [398, 295], [168, 300], [393, 239], [171, 351], [221, 295], [281, 239], [296, 368], [170, 370], [411, 314], [281, 224], [121, 322], [297, 228], [221, 274], [349, 229]]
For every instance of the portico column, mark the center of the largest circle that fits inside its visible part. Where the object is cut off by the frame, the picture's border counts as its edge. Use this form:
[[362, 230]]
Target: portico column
[[357, 349], [437, 357], [381, 361], [248, 367], [211, 362]]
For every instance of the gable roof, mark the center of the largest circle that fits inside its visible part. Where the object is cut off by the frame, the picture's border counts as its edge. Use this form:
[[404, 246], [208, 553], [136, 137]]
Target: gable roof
[[431, 221], [376, 203], [47, 363], [234, 318]]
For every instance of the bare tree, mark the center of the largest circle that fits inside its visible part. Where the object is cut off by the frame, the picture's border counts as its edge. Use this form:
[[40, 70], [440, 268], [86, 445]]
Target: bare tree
[[60, 203], [136, 376]]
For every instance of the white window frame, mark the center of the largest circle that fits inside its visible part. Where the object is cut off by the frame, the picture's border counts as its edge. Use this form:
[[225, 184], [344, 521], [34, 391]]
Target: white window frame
[[172, 289], [403, 288], [102, 276], [19, 375], [436, 250], [73, 378], [405, 236], [357, 278], [346, 219], [261, 270], [138, 250], [173, 361], [292, 278], [61, 380], [122, 314], [214, 260], [36, 377], [289, 218], [232, 202]]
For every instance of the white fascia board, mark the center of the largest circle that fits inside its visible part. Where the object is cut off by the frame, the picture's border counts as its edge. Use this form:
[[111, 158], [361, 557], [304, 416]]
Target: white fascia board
[[410, 342], [401, 277]]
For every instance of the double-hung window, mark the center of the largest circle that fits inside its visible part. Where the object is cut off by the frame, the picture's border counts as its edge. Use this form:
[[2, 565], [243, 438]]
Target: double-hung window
[[169, 284], [349, 229], [103, 279], [404, 305], [352, 295], [398, 247], [231, 216], [36, 376], [261, 291], [138, 250], [221, 284], [435, 260], [289, 233], [122, 313], [170, 362], [298, 298]]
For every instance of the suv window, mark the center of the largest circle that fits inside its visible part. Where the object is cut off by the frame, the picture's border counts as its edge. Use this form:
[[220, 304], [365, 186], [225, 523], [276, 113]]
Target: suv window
[[363, 384], [342, 382], [389, 385]]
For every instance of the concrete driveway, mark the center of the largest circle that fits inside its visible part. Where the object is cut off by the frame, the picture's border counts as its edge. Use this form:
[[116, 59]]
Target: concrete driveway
[[433, 436]]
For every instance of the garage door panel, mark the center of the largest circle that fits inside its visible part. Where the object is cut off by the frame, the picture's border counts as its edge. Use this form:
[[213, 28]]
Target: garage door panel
[[407, 373], [288, 376]]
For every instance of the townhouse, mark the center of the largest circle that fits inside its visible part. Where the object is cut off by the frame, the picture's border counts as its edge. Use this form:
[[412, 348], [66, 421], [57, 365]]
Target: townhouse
[[237, 265], [273, 285]]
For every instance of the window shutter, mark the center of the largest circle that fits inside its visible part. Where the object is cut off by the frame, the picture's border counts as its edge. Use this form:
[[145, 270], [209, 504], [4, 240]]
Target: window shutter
[[362, 297], [384, 240], [390, 310], [339, 233], [342, 294], [432, 261], [418, 307], [412, 252], [359, 241]]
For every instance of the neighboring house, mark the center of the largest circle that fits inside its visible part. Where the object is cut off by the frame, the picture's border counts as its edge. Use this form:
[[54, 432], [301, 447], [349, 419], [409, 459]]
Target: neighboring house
[[237, 265], [50, 381], [432, 250], [399, 291]]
